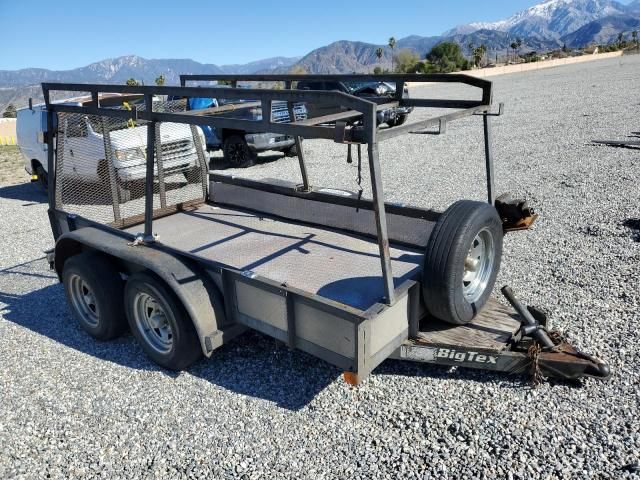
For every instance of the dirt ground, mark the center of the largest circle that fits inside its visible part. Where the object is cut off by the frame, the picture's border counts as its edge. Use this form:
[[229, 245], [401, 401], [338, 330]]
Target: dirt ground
[[12, 166]]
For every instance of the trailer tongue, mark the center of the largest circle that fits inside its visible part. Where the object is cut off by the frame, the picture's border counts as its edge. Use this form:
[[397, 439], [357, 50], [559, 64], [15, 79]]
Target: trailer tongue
[[192, 259], [502, 340]]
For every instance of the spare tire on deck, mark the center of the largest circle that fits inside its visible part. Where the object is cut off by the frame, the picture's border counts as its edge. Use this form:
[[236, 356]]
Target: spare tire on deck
[[462, 261]]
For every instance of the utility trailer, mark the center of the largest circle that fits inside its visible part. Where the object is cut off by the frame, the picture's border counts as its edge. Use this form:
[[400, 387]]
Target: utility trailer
[[188, 266]]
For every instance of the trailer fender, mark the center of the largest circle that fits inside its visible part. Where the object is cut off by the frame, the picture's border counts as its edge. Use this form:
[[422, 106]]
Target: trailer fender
[[193, 287]]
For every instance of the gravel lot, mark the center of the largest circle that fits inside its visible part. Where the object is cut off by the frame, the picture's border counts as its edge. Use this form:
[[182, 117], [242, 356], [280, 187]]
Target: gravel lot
[[73, 407]]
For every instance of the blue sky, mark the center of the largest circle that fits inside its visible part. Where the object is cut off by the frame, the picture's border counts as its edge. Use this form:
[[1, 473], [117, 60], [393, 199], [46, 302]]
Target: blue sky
[[65, 34]]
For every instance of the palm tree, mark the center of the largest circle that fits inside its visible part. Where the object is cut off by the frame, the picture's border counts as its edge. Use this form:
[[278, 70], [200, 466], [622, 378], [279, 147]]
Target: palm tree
[[634, 35], [620, 39], [478, 54], [513, 46], [160, 80], [379, 53], [392, 46]]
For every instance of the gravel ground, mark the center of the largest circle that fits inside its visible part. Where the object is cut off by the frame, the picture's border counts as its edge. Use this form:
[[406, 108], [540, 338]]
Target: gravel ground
[[73, 407]]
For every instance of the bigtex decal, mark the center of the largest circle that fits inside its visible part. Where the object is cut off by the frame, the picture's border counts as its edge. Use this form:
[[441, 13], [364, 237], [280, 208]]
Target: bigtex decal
[[436, 355], [451, 354]]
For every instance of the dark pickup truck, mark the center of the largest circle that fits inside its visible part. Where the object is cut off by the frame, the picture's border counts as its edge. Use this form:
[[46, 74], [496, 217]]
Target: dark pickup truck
[[391, 116]]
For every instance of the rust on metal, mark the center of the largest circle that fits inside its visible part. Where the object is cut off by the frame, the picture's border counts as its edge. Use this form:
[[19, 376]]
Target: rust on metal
[[352, 378], [523, 224]]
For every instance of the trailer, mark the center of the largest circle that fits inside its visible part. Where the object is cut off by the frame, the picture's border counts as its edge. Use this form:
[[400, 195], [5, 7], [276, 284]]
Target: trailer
[[189, 265]]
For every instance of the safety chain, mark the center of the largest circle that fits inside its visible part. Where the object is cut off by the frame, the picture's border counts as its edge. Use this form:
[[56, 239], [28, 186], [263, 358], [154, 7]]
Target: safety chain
[[359, 177], [534, 351]]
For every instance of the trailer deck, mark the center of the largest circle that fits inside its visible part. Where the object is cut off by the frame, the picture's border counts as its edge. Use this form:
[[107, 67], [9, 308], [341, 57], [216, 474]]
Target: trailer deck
[[333, 264]]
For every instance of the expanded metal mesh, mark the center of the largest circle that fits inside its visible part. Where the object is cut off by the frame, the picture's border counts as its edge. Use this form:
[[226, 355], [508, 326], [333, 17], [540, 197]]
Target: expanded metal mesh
[[101, 165]]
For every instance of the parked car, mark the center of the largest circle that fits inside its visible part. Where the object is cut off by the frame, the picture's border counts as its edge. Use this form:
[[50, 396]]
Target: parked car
[[84, 147], [391, 116], [240, 148]]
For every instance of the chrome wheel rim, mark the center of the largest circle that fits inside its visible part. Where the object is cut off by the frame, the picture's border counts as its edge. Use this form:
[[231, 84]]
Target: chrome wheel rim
[[152, 322], [478, 266], [84, 301]]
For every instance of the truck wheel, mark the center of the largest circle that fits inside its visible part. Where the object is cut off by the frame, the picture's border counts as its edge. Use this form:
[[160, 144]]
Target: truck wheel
[[192, 175], [160, 323], [94, 291], [401, 119], [124, 193], [462, 261], [291, 151], [396, 121], [43, 179], [237, 154]]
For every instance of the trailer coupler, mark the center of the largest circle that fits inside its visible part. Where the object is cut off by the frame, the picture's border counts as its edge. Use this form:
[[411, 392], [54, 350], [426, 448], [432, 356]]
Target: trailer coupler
[[551, 355], [567, 363]]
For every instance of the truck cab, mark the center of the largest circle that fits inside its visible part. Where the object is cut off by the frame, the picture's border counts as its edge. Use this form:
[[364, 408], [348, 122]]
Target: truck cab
[[85, 149]]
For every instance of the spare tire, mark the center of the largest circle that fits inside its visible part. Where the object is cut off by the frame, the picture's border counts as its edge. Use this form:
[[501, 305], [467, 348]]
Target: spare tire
[[462, 261]]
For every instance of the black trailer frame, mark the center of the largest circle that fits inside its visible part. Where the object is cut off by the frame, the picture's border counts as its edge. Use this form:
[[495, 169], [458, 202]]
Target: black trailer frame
[[390, 325]]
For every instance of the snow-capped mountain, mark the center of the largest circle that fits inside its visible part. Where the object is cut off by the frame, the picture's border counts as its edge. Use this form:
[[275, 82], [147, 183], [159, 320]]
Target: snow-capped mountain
[[551, 19]]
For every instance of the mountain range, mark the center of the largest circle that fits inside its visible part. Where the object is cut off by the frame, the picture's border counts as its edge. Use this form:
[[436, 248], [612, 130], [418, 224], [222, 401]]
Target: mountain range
[[545, 26]]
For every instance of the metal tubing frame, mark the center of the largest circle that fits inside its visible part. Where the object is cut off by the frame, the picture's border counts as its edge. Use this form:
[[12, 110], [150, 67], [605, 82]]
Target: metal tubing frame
[[488, 154], [112, 174], [298, 139], [148, 185], [365, 133]]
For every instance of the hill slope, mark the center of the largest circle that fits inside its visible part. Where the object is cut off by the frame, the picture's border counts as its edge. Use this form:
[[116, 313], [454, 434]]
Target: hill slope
[[551, 19], [602, 31]]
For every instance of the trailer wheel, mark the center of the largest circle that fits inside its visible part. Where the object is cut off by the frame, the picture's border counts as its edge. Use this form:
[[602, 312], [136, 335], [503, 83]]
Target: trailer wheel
[[94, 291], [462, 261], [237, 154], [160, 323]]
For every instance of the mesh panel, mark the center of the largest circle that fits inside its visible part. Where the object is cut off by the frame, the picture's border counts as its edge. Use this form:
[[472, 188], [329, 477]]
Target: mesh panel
[[101, 165]]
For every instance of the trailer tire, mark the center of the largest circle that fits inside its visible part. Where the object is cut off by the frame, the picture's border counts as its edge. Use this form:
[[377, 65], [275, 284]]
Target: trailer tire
[[237, 153], [94, 291], [160, 322], [462, 261]]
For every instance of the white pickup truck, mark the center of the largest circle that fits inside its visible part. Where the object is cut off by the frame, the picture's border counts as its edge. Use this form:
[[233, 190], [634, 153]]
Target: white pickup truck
[[84, 147]]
